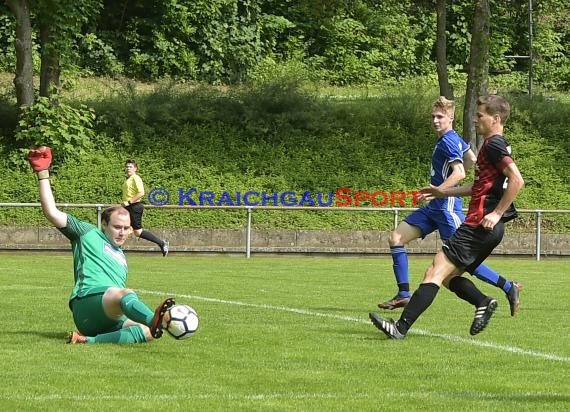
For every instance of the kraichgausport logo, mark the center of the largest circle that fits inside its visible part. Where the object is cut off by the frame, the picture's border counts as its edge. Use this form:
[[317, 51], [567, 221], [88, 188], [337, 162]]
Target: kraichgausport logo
[[342, 197]]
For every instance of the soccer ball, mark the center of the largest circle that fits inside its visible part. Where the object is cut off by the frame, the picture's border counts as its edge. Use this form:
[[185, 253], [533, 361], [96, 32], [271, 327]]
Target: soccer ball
[[181, 321]]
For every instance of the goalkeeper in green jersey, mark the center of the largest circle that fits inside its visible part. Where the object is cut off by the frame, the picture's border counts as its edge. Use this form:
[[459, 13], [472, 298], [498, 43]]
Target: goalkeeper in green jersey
[[104, 309]]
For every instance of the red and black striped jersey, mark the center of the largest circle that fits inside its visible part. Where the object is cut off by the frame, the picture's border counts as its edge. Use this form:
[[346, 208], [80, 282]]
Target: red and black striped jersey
[[490, 182]]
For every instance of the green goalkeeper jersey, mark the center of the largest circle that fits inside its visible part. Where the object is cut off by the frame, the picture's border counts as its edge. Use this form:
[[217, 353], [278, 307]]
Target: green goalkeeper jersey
[[97, 264]]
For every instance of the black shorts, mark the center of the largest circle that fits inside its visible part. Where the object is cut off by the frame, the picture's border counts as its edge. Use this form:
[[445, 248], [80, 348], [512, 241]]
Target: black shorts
[[470, 246], [136, 211]]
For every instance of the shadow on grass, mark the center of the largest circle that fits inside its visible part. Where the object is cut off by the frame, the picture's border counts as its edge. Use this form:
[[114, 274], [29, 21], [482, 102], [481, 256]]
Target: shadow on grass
[[42, 334]]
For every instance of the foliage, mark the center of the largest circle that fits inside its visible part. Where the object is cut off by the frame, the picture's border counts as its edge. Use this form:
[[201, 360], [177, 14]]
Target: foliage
[[270, 70], [7, 38], [97, 57], [552, 62], [63, 20], [7, 41], [215, 40], [276, 38], [283, 135], [158, 46], [340, 42], [67, 130]]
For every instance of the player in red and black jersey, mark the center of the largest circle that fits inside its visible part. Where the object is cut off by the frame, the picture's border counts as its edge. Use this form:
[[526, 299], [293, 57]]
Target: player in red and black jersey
[[488, 188], [497, 183]]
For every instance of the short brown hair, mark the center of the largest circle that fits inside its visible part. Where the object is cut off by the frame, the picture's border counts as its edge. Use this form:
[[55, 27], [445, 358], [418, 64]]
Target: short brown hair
[[106, 215], [495, 105], [132, 162], [448, 106]]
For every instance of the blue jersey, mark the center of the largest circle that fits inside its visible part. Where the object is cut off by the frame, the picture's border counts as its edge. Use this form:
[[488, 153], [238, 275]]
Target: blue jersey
[[449, 148]]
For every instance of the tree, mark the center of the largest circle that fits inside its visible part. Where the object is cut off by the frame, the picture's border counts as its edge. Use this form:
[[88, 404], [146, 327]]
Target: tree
[[59, 21], [445, 89], [24, 76], [478, 69], [50, 62], [44, 120]]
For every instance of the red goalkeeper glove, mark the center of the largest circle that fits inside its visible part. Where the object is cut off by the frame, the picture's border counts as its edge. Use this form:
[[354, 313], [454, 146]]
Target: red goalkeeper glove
[[40, 158]]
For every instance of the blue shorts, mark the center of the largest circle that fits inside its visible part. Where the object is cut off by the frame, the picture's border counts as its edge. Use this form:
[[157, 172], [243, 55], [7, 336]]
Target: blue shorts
[[428, 220]]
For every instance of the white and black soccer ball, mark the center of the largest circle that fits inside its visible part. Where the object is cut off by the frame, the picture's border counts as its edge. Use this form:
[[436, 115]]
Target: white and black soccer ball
[[181, 321]]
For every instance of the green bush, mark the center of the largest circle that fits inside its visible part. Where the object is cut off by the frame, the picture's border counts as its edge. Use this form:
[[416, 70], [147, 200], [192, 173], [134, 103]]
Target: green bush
[[67, 130], [283, 136]]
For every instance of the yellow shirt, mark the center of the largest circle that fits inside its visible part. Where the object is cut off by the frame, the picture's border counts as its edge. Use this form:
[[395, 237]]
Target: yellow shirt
[[132, 186]]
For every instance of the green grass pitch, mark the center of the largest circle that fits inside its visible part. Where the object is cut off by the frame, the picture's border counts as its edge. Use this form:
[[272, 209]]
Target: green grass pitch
[[286, 334]]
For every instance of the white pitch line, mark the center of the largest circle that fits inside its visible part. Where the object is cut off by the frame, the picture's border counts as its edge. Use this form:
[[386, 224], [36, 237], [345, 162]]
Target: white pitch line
[[452, 338]]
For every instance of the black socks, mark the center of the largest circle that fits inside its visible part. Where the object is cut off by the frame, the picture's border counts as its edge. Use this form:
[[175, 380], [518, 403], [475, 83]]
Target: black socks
[[426, 293], [420, 301], [151, 237], [466, 290]]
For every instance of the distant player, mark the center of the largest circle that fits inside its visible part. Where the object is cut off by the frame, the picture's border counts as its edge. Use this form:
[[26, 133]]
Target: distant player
[[133, 192], [497, 183], [104, 309], [451, 157]]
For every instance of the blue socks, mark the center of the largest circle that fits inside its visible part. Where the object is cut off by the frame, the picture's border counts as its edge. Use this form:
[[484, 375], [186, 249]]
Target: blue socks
[[400, 258], [486, 274]]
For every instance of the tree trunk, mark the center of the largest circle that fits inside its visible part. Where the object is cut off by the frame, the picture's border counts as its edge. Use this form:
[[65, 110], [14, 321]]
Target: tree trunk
[[50, 69], [24, 76], [445, 89], [478, 73]]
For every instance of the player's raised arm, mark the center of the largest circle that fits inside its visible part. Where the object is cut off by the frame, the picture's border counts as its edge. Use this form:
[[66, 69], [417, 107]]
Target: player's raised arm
[[40, 160]]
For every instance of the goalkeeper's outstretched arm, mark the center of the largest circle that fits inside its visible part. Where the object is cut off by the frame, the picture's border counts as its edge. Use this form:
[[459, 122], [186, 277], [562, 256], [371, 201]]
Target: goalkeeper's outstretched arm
[[51, 212], [40, 160]]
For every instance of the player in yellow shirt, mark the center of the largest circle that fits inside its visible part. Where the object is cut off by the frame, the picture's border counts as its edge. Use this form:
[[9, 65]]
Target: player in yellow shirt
[[133, 192]]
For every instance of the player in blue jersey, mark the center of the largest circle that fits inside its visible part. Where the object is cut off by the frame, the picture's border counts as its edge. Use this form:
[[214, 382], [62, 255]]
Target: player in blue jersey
[[451, 157], [104, 309], [496, 185]]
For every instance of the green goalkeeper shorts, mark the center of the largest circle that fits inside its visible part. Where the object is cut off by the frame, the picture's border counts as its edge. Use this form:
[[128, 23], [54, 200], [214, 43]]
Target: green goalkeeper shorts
[[90, 318]]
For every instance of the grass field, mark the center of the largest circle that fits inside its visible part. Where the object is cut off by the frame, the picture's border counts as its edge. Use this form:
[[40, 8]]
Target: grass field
[[286, 334]]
